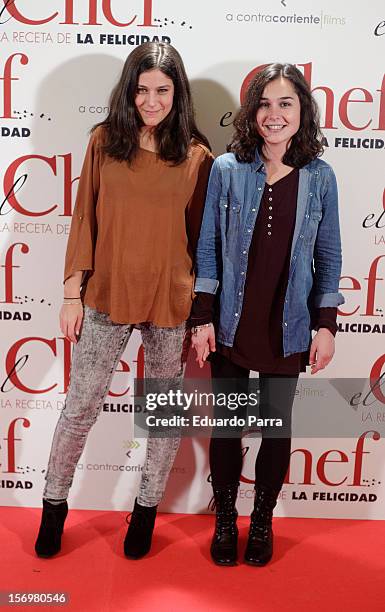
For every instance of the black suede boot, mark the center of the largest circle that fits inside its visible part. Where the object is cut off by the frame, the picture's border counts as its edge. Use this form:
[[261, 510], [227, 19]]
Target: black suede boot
[[48, 541], [224, 543], [259, 549], [137, 542]]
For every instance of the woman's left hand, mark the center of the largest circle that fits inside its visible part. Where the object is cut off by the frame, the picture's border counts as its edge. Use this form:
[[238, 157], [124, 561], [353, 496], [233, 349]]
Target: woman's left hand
[[204, 343], [321, 350]]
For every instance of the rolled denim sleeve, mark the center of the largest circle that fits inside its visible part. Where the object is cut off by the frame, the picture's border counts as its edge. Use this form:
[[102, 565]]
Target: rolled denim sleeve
[[209, 251], [327, 250]]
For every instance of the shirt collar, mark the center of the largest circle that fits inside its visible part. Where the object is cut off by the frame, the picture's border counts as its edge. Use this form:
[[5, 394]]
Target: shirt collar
[[259, 165]]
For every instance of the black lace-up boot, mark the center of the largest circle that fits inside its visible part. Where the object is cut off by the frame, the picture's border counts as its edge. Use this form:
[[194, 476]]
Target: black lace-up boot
[[224, 543], [137, 542], [48, 541], [259, 549]]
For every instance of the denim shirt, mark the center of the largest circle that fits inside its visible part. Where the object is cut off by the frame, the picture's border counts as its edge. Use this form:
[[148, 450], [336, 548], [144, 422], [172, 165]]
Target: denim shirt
[[233, 198]]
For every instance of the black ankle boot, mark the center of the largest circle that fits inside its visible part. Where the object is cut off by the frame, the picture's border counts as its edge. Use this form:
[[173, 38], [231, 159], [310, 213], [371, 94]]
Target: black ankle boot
[[259, 549], [224, 543], [48, 541], [137, 542]]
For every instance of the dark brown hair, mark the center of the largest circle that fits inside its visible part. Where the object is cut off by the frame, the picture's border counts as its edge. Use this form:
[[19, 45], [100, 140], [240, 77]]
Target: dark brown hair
[[305, 145], [173, 135]]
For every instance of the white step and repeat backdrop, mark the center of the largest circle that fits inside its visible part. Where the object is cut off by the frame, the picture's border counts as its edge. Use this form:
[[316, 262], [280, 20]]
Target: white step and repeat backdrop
[[59, 61]]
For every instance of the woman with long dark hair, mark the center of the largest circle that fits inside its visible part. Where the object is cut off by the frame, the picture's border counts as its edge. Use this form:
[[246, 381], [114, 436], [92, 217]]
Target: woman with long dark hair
[[129, 262], [270, 248]]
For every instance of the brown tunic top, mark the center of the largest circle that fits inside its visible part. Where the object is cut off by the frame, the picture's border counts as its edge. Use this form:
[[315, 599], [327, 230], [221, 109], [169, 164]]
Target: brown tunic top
[[134, 229], [258, 340]]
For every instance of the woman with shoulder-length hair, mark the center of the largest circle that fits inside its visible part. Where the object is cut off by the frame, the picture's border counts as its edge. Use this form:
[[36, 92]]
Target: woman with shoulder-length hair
[[129, 262], [270, 247]]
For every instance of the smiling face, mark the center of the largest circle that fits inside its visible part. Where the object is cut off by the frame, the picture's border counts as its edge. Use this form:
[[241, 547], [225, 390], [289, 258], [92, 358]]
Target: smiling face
[[279, 113], [154, 97]]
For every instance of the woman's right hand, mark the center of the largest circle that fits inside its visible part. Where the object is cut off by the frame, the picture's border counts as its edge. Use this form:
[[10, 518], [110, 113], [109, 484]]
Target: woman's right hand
[[71, 317], [204, 342]]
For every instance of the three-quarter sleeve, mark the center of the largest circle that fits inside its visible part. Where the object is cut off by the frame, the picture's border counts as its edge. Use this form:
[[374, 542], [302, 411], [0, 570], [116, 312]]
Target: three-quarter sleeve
[[195, 207], [81, 241]]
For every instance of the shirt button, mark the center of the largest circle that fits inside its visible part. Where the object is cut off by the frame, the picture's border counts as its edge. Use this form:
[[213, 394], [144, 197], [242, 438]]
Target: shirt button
[[294, 256], [253, 209], [307, 216], [269, 225], [270, 208], [236, 314], [244, 252], [80, 217], [301, 236], [259, 188], [226, 205], [285, 324], [270, 217], [270, 189], [249, 230], [269, 233], [240, 293], [242, 273], [310, 195], [270, 199]]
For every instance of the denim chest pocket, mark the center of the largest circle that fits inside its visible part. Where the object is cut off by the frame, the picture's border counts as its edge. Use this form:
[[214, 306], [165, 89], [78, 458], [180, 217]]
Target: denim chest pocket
[[314, 219], [230, 215], [316, 214]]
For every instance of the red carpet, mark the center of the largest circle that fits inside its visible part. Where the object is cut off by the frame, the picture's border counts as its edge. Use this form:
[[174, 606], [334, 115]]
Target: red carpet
[[332, 565]]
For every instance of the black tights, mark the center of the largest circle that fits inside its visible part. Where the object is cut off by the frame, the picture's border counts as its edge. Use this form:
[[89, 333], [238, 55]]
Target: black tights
[[276, 400]]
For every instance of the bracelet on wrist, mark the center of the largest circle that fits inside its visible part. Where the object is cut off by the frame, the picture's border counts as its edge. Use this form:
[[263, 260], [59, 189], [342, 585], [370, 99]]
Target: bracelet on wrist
[[198, 328]]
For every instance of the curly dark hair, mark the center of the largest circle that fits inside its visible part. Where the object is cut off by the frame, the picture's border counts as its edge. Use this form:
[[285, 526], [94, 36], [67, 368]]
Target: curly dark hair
[[174, 134], [304, 146]]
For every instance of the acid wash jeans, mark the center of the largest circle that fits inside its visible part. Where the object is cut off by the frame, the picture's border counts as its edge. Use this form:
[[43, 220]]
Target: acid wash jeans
[[94, 361]]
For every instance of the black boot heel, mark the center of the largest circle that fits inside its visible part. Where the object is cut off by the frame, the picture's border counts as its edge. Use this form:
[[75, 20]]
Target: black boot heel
[[48, 541], [137, 542]]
